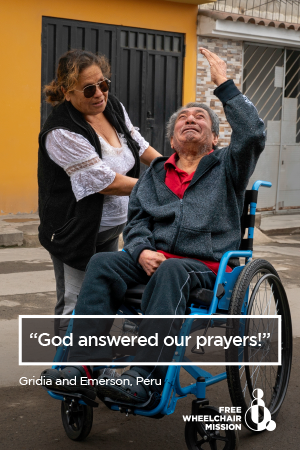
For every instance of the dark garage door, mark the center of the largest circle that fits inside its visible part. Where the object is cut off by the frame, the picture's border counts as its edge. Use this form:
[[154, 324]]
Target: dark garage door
[[146, 67]]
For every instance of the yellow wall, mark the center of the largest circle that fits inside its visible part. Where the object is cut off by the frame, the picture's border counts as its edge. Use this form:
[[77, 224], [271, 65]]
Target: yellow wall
[[20, 36]]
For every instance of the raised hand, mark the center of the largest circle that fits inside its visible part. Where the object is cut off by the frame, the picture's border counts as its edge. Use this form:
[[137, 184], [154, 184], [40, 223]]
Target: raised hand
[[217, 66]]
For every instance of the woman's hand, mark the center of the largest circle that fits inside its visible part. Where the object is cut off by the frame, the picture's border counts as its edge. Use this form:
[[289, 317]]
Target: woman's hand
[[149, 154], [150, 261], [121, 185], [217, 66]]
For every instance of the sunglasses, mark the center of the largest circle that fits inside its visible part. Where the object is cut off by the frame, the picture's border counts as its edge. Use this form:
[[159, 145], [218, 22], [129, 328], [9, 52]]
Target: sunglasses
[[90, 91]]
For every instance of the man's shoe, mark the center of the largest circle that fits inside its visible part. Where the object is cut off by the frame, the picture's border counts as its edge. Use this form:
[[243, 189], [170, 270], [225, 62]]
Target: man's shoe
[[124, 389], [73, 380], [107, 373]]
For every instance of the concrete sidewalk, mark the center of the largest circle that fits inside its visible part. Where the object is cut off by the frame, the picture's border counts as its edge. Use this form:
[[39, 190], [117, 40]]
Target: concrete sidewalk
[[22, 229]]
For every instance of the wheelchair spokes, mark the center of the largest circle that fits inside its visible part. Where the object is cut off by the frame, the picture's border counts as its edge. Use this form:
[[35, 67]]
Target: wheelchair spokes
[[263, 302], [266, 298]]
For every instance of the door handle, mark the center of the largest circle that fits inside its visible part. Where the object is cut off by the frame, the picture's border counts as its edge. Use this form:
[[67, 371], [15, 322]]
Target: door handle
[[150, 123]]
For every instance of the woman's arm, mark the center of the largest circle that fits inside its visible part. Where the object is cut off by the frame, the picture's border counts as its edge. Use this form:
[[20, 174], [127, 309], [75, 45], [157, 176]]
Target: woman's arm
[[88, 173], [149, 154], [121, 185]]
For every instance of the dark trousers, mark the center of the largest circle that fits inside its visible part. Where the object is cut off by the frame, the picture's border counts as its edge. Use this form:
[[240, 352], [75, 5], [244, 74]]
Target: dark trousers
[[69, 280], [108, 277]]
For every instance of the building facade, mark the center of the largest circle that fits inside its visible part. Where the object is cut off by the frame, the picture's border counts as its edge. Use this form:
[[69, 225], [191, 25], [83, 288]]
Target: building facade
[[153, 49], [261, 43]]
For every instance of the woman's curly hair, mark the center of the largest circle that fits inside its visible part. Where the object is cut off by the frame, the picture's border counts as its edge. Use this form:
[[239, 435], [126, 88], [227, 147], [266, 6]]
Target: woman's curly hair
[[70, 65]]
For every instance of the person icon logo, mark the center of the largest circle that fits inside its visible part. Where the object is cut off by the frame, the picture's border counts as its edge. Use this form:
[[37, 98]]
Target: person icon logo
[[258, 415]]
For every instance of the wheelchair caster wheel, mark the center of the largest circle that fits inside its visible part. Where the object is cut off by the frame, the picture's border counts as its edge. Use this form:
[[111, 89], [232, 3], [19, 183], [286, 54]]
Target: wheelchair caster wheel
[[198, 437], [77, 419]]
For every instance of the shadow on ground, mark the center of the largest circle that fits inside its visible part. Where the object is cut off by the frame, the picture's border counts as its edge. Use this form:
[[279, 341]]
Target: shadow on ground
[[30, 420]]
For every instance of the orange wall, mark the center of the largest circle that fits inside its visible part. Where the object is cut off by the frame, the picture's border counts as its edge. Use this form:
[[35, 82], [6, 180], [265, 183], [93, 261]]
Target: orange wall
[[20, 36]]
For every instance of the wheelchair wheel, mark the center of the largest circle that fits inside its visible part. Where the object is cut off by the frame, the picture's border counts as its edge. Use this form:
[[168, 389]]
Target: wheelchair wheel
[[197, 437], [260, 284], [77, 419]]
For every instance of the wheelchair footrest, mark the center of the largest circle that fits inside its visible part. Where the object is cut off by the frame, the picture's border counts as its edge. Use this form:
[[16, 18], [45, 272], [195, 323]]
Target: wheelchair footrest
[[151, 403], [70, 396]]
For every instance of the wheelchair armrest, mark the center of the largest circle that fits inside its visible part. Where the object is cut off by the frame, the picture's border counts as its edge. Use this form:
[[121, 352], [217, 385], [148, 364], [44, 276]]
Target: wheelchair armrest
[[201, 296], [198, 296]]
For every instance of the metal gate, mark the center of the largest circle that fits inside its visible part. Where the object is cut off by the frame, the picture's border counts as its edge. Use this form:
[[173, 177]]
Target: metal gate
[[271, 79], [146, 67]]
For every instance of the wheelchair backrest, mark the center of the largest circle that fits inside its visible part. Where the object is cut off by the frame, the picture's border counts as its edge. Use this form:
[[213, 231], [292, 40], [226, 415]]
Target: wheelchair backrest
[[248, 216], [248, 219]]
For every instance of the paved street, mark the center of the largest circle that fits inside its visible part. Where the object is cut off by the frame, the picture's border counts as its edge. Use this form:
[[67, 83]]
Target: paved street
[[30, 419]]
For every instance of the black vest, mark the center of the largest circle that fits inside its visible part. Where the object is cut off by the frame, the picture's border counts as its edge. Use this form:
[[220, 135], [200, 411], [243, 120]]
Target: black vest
[[68, 228]]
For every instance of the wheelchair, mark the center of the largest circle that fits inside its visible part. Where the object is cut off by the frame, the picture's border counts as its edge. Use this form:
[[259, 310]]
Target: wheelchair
[[250, 289]]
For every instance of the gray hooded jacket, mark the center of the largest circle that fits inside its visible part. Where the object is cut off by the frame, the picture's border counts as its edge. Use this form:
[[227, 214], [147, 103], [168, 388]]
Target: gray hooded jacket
[[205, 223]]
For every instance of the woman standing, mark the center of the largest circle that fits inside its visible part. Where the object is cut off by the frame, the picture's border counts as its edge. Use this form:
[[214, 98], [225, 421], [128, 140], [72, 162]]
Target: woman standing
[[89, 162]]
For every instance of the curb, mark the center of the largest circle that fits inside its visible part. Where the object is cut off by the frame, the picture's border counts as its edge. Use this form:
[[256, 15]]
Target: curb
[[31, 241], [19, 230], [11, 238], [281, 231], [18, 239]]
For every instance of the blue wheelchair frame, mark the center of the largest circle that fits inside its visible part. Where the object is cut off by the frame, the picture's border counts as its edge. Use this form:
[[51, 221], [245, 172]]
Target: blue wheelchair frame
[[172, 390]]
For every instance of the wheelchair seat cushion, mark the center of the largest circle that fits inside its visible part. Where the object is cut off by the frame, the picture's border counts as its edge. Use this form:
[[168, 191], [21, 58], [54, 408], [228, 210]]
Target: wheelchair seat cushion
[[199, 296], [130, 391]]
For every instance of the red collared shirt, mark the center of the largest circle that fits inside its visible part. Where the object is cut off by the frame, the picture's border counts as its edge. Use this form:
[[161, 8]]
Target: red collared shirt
[[178, 181]]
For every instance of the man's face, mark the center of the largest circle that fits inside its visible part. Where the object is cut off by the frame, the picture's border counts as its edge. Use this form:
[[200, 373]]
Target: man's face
[[193, 126]]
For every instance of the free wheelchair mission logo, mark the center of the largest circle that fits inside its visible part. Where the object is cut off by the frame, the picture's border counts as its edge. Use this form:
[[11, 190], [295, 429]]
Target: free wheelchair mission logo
[[258, 413], [257, 417]]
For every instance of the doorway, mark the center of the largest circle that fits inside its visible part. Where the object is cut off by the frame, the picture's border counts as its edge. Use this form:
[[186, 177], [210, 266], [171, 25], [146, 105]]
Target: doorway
[[146, 67], [271, 80]]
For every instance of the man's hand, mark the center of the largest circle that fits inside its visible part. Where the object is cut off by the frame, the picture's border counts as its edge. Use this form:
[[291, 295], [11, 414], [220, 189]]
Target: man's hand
[[150, 261], [217, 66]]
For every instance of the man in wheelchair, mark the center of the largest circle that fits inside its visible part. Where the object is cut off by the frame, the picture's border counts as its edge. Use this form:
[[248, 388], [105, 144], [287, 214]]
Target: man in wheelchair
[[184, 214]]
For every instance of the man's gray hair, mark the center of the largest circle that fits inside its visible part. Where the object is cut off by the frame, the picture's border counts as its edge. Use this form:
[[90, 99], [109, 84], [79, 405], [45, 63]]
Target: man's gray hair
[[213, 117]]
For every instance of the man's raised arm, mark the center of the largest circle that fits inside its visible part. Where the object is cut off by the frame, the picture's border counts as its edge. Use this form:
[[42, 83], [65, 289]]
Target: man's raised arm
[[248, 136]]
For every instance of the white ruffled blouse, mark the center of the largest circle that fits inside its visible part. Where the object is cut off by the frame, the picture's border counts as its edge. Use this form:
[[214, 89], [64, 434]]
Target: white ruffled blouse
[[89, 173]]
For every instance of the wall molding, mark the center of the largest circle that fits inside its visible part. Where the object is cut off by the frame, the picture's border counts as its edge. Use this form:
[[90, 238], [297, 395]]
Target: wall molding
[[212, 27]]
